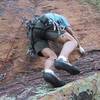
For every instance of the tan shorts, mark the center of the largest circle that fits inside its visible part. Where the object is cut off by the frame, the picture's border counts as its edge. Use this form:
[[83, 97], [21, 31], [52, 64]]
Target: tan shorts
[[42, 40]]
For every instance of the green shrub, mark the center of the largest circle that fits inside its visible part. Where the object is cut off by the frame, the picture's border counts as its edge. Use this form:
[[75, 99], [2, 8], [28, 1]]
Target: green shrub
[[96, 3]]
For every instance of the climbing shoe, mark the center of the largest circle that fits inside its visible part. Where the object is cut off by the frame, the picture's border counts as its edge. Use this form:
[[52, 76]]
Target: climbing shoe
[[31, 53], [64, 65], [52, 79]]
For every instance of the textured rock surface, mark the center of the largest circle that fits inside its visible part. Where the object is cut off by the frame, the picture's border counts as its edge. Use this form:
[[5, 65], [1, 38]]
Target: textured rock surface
[[20, 76], [83, 89], [31, 84]]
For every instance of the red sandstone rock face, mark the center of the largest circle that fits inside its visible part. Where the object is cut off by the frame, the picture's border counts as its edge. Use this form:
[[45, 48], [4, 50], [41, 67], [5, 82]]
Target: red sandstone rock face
[[13, 41]]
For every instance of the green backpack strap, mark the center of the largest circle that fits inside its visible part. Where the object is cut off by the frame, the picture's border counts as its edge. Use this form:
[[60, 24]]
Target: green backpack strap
[[30, 26]]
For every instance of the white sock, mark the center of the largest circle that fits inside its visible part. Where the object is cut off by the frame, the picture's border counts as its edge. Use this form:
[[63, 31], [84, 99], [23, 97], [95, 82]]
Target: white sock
[[49, 71], [62, 57]]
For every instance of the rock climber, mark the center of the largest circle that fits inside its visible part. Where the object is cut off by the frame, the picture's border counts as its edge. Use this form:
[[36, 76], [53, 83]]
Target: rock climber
[[54, 27]]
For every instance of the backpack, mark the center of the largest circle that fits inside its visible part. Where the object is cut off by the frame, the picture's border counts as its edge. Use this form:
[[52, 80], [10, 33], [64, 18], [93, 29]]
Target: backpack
[[30, 26]]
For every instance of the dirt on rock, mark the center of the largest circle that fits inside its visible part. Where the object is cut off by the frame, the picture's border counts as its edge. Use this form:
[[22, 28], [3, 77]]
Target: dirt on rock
[[19, 74]]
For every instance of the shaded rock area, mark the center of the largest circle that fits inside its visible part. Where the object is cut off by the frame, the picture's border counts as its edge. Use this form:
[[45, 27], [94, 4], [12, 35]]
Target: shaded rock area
[[82, 89], [30, 84], [21, 76]]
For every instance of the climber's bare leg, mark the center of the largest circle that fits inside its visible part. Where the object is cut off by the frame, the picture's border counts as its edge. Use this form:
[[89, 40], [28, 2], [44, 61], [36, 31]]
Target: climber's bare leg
[[69, 44], [49, 75], [62, 62], [51, 56]]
